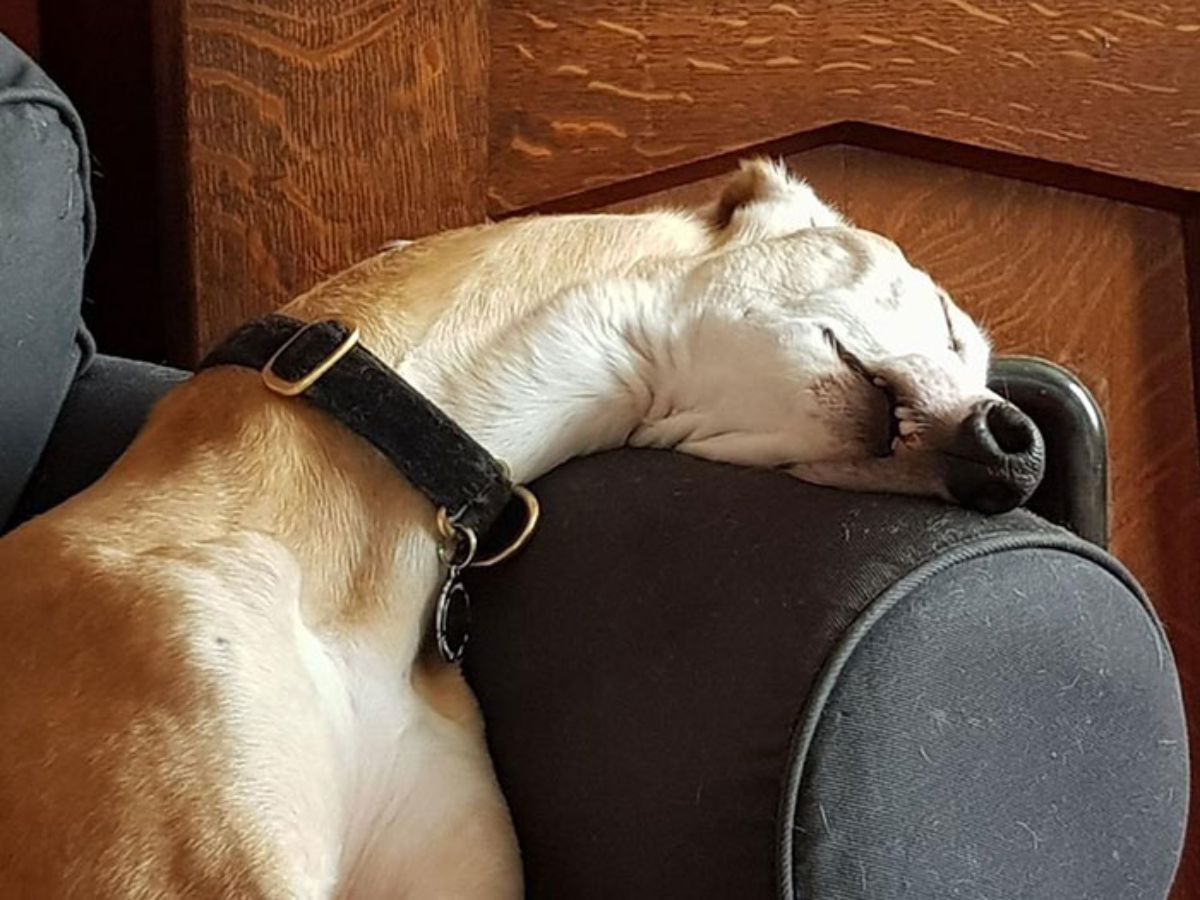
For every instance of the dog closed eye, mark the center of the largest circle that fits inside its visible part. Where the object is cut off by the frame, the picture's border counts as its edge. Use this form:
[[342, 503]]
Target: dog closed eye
[[956, 345], [893, 433]]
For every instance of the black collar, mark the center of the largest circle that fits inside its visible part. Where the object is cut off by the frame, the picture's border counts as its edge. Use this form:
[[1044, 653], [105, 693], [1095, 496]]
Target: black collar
[[324, 363]]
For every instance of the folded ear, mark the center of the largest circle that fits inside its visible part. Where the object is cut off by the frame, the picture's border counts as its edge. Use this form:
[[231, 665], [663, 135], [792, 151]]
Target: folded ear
[[764, 200]]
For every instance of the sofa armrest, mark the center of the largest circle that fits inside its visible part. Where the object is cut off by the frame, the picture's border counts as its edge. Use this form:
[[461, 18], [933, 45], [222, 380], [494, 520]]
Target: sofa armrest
[[105, 407], [1074, 491], [704, 681]]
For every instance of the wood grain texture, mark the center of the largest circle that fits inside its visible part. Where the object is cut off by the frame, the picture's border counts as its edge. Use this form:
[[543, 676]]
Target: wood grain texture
[[318, 130], [588, 92], [1096, 285]]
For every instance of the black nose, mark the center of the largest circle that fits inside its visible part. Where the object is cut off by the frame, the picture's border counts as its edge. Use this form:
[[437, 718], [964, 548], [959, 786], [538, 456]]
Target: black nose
[[996, 460]]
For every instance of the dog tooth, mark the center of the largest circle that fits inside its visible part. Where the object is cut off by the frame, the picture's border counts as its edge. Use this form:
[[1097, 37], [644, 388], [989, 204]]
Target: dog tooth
[[908, 427], [897, 443], [879, 382], [904, 412]]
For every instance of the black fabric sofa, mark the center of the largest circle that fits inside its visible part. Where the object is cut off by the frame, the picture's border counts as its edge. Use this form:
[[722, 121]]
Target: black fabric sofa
[[702, 681]]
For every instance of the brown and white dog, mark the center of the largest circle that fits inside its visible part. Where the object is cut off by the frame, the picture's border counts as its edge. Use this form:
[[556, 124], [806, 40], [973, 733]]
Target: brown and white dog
[[211, 666]]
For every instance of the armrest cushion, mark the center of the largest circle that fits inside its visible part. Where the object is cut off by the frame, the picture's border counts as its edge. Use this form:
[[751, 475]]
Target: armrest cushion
[[704, 681], [103, 411]]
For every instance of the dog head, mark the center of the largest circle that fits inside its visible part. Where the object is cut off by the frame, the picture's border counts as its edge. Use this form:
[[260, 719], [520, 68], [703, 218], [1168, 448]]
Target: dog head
[[817, 347], [785, 337]]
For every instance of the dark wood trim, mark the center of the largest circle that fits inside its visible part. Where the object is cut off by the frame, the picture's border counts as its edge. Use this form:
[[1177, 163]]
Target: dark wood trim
[[99, 53], [175, 219], [19, 22], [1191, 252], [875, 137]]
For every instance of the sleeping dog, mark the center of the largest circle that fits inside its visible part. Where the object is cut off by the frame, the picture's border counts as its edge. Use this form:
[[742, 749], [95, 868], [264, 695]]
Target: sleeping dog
[[214, 681]]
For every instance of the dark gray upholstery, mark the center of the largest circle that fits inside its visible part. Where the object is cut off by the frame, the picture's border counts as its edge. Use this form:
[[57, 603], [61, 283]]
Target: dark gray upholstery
[[104, 409], [644, 664], [1001, 729], [45, 236]]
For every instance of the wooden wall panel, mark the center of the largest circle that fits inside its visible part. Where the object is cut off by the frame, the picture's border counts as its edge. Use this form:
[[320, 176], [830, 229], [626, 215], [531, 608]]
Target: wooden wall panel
[[317, 130], [1096, 285], [588, 92]]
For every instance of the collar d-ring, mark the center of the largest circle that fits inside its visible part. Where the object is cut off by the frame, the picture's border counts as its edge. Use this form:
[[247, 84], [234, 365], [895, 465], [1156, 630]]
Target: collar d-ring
[[533, 512], [453, 535]]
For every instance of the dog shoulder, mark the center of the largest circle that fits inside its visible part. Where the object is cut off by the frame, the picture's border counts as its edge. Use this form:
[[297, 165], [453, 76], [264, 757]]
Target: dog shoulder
[[126, 705]]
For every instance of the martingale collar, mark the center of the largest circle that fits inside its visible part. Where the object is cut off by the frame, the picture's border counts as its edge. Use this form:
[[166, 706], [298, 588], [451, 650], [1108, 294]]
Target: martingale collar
[[483, 517]]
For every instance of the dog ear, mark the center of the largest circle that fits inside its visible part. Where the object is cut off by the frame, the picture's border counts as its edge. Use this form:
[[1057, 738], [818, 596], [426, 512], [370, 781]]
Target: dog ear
[[397, 244], [764, 200]]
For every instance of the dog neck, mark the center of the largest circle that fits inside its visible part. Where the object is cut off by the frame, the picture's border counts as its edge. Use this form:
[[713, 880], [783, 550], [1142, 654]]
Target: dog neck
[[584, 374], [222, 456]]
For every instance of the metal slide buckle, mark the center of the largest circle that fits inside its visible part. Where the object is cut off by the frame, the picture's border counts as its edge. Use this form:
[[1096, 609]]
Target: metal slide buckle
[[291, 387]]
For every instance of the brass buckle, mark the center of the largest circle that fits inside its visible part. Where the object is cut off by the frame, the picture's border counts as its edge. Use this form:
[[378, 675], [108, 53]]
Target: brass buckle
[[450, 531], [291, 387]]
